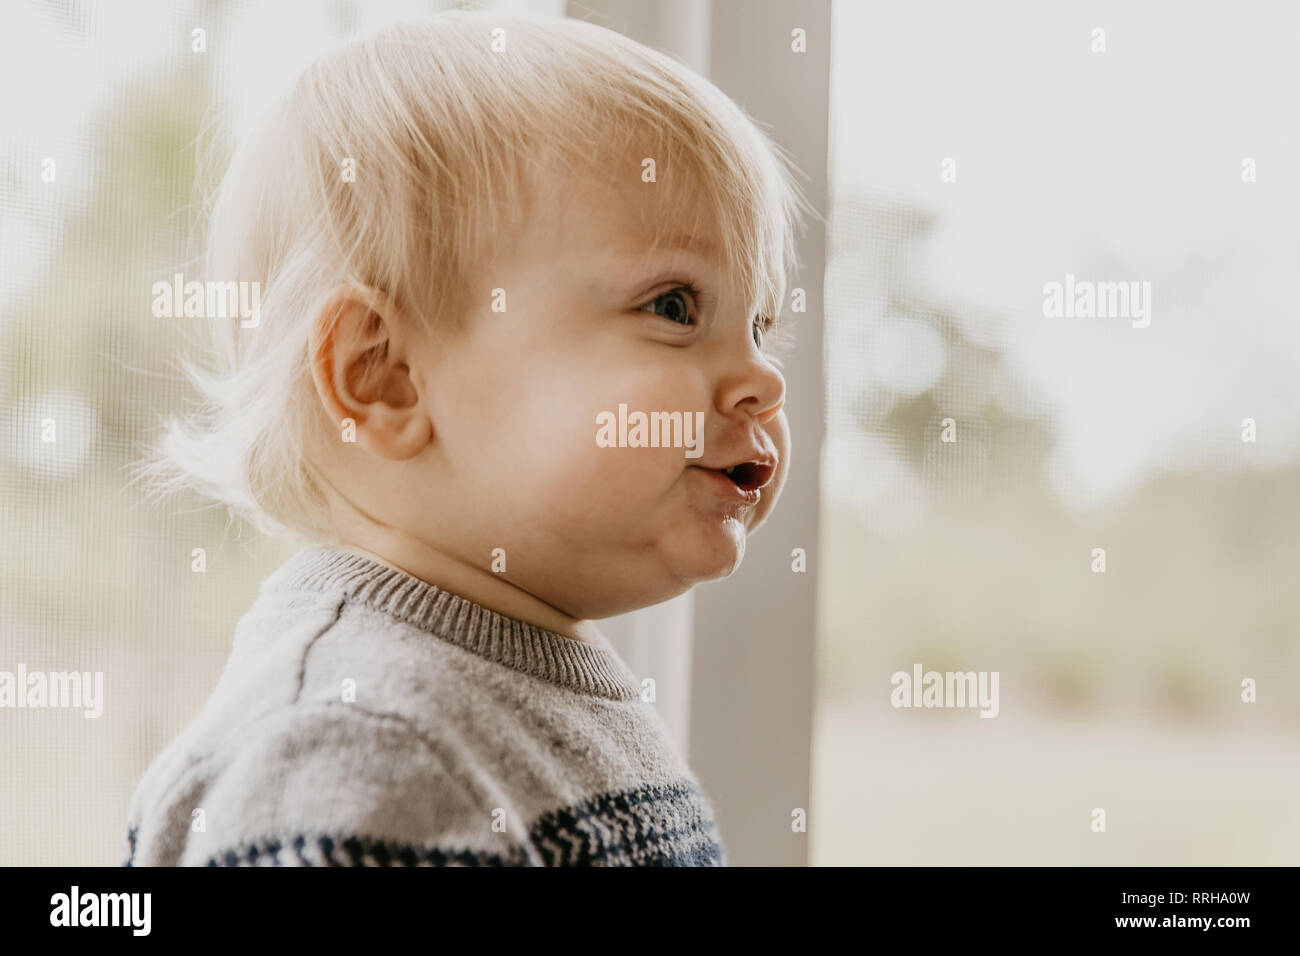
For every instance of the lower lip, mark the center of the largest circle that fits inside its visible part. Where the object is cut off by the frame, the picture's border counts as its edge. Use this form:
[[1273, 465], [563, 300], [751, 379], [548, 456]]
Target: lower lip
[[724, 487]]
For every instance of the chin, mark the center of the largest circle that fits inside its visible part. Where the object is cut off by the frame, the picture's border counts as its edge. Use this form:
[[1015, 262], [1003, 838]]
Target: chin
[[717, 553]]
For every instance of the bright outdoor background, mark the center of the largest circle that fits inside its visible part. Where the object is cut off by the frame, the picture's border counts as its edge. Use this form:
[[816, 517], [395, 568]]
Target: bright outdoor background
[[1120, 690]]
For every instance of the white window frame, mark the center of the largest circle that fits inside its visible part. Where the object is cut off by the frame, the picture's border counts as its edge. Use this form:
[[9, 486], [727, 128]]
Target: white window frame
[[739, 697]]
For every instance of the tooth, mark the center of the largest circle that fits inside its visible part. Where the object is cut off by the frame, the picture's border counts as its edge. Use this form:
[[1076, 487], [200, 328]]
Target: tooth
[[727, 471]]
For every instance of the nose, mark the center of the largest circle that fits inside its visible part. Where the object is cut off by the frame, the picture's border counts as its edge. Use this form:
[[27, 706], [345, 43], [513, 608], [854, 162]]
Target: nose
[[756, 387]]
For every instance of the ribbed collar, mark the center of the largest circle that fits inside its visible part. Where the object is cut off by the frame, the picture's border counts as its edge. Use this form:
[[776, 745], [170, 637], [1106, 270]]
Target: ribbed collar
[[581, 666]]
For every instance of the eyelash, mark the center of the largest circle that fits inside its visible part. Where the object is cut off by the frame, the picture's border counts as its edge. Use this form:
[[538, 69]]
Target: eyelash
[[763, 325]]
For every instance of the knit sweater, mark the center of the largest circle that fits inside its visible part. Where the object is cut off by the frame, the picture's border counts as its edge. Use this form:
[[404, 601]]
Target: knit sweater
[[365, 717]]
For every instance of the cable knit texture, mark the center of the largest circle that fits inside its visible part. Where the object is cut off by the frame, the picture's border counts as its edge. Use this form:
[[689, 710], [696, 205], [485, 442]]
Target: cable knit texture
[[367, 718]]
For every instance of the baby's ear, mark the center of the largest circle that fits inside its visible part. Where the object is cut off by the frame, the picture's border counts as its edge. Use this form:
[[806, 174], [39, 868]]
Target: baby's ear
[[359, 352]]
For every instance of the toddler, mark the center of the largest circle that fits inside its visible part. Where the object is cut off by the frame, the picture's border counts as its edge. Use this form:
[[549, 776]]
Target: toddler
[[512, 372]]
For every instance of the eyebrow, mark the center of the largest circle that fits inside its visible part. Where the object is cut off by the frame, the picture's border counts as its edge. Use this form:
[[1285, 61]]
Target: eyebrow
[[705, 250], [692, 244]]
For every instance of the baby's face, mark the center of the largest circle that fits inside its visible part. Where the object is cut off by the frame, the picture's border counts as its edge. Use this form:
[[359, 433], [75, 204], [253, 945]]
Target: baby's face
[[529, 447]]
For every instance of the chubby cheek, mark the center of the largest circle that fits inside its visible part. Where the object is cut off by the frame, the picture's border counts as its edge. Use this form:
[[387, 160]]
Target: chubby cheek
[[574, 481]]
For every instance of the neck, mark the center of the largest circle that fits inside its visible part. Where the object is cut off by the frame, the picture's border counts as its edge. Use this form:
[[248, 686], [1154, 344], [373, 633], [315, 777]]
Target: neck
[[395, 549], [365, 535]]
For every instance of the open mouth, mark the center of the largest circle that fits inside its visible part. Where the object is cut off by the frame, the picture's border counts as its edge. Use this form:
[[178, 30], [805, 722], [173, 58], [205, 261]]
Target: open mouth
[[749, 475]]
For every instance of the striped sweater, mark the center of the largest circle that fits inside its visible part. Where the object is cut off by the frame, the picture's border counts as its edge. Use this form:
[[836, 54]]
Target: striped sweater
[[365, 717]]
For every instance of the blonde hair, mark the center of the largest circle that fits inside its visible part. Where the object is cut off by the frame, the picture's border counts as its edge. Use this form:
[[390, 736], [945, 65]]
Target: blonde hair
[[442, 128]]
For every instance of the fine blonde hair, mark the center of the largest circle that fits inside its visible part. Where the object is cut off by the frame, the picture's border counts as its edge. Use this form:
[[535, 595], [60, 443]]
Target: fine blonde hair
[[440, 118]]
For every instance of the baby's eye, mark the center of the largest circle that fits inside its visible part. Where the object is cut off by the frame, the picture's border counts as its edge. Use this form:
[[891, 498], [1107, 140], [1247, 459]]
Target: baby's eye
[[761, 325], [678, 311]]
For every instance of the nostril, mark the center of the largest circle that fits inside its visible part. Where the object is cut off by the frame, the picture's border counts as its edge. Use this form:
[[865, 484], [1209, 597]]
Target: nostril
[[770, 414]]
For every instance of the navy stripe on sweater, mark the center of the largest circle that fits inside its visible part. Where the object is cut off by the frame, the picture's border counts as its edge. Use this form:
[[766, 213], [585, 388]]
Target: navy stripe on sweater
[[646, 826]]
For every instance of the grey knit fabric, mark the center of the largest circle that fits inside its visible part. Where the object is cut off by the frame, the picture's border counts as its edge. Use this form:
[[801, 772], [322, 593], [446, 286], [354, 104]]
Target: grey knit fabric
[[365, 717]]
